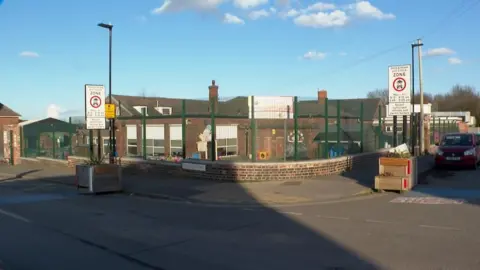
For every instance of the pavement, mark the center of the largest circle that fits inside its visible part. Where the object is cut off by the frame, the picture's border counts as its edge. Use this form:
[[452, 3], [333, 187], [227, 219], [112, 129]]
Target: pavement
[[320, 189], [47, 225]]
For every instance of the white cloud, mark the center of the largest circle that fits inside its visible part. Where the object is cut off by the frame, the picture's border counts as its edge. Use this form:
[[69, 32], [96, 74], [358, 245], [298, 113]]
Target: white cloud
[[180, 5], [246, 4], [454, 61], [232, 19], [314, 55], [53, 111], [366, 10], [320, 6], [257, 14], [438, 52], [29, 54], [335, 18], [290, 13]]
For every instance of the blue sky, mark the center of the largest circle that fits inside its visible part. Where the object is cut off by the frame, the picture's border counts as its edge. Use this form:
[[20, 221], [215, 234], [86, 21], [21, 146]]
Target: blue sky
[[51, 48]]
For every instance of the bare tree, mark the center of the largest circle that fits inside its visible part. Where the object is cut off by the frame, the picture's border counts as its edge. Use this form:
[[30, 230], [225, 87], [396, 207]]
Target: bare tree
[[382, 94]]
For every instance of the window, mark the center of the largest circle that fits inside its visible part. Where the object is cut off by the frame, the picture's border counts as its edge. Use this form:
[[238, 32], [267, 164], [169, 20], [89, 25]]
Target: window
[[87, 140], [155, 140], [176, 148], [132, 147], [227, 141], [164, 110], [139, 109]]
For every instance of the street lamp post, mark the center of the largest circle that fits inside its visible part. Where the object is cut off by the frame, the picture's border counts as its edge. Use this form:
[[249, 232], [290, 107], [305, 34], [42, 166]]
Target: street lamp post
[[414, 131], [112, 145]]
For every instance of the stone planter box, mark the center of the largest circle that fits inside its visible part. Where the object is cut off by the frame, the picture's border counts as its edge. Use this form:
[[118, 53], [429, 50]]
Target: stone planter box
[[99, 178], [396, 174]]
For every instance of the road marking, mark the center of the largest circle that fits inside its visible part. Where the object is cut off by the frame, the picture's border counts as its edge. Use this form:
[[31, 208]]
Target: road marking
[[293, 213], [427, 200], [332, 217], [15, 216], [439, 227], [379, 221]]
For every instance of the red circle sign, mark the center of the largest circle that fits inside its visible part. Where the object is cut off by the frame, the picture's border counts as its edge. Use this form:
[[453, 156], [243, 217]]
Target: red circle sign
[[95, 102], [399, 84]]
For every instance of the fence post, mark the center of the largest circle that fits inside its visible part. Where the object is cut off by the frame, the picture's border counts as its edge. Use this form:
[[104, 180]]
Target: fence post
[[54, 143], [144, 133], [184, 129], [433, 130], [361, 127], [12, 142], [379, 128], [70, 135], [90, 142], [295, 127], [339, 125], [253, 129], [326, 129], [213, 145]]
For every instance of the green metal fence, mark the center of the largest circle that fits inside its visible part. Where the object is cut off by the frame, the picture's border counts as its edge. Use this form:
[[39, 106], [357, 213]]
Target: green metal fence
[[211, 130], [441, 126], [50, 138]]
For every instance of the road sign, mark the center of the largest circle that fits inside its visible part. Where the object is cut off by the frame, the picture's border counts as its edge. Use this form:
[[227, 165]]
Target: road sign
[[399, 84], [95, 106], [110, 112], [399, 109]]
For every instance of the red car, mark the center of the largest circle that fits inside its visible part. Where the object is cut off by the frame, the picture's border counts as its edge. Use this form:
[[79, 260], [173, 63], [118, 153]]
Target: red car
[[458, 149]]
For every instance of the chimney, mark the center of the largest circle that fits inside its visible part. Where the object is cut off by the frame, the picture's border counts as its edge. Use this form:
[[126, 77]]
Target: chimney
[[322, 95], [213, 94]]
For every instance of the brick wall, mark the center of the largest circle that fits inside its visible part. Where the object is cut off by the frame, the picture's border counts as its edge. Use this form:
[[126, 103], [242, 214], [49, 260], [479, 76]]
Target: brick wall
[[247, 171], [5, 154]]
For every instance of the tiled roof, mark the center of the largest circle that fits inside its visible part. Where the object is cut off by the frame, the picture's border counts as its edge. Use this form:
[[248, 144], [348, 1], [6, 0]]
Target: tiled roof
[[239, 106], [7, 112]]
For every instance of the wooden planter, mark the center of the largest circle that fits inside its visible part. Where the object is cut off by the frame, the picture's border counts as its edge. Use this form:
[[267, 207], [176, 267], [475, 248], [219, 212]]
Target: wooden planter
[[99, 178], [397, 183], [396, 174]]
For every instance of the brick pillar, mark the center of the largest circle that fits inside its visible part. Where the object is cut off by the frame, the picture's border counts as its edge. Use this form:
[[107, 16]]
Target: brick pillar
[[16, 143]]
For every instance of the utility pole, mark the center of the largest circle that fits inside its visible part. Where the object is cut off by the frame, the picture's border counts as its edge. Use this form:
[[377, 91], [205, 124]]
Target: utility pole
[[420, 79]]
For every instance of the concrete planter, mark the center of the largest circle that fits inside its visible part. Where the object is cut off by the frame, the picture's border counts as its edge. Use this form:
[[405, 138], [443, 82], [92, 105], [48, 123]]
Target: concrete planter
[[99, 178], [396, 174]]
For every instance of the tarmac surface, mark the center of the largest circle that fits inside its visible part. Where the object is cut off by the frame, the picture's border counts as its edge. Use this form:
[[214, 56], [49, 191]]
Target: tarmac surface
[[47, 225]]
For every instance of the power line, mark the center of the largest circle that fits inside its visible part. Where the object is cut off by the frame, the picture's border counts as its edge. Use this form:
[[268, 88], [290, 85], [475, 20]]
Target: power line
[[461, 9]]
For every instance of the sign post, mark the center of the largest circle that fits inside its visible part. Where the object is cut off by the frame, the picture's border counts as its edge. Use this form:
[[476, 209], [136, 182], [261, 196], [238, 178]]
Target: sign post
[[399, 96], [95, 111]]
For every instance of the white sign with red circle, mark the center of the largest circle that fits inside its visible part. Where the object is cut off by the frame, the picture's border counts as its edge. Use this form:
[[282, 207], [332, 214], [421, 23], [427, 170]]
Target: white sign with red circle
[[95, 106], [399, 84]]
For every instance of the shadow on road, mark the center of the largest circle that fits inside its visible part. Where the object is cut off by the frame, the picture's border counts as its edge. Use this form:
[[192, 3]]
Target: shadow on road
[[156, 234]]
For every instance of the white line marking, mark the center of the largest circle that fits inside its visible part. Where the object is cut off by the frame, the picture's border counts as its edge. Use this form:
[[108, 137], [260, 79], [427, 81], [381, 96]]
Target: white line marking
[[332, 217], [15, 216], [440, 227], [379, 221], [293, 213]]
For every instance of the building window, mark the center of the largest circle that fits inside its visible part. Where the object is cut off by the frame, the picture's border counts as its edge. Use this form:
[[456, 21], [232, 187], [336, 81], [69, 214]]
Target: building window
[[155, 140], [176, 149], [164, 110], [139, 109], [227, 141], [132, 147]]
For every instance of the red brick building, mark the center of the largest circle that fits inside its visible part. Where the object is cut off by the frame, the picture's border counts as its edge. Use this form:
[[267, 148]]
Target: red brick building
[[9, 120], [164, 135]]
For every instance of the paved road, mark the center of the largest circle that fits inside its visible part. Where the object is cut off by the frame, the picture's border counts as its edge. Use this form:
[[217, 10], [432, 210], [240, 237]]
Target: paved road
[[49, 226]]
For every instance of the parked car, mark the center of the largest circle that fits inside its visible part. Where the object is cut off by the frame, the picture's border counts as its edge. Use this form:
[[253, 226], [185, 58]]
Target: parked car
[[458, 149]]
